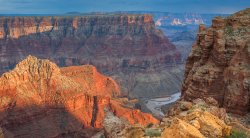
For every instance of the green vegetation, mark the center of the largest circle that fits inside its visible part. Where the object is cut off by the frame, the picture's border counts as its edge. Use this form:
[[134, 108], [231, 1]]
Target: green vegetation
[[229, 30], [241, 31], [198, 106], [235, 32], [237, 134], [153, 132]]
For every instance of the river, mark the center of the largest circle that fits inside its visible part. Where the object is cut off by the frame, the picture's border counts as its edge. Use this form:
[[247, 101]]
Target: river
[[154, 105]]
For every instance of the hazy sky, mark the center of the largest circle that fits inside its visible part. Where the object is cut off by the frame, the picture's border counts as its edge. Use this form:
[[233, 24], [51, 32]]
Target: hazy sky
[[63, 6]]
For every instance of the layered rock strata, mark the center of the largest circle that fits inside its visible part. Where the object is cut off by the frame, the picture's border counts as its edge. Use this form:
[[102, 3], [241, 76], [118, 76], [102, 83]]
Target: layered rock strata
[[120, 45], [219, 66]]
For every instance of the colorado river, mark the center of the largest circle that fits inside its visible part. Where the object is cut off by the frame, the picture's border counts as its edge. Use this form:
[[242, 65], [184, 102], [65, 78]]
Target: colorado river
[[154, 105]]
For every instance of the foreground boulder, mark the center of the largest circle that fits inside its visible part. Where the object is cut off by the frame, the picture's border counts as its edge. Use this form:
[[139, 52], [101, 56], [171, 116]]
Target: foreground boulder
[[201, 120], [181, 129], [198, 124]]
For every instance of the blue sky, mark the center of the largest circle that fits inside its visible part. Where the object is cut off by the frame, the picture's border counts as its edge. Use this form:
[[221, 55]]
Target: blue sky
[[63, 6]]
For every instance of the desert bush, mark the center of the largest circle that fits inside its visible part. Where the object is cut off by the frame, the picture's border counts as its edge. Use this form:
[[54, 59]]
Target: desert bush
[[153, 132], [237, 134]]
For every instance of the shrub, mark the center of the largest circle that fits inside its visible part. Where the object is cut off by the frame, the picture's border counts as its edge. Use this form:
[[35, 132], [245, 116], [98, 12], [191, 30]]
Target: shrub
[[237, 134], [153, 132], [229, 31]]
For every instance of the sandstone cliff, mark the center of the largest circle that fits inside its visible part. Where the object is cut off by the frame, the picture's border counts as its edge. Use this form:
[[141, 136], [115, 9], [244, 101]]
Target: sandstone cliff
[[119, 45], [38, 99], [219, 64]]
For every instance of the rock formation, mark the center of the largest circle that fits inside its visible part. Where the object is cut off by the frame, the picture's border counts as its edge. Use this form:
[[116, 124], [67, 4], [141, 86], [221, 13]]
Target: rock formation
[[196, 119], [38, 99], [218, 65], [119, 45], [197, 122], [115, 127]]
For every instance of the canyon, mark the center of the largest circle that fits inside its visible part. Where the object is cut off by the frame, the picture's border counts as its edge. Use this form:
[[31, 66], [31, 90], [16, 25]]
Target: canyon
[[127, 47], [180, 28], [39, 99], [218, 65], [214, 99]]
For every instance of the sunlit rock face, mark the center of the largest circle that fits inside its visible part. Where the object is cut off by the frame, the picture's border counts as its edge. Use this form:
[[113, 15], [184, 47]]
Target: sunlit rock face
[[218, 65], [120, 45], [38, 99]]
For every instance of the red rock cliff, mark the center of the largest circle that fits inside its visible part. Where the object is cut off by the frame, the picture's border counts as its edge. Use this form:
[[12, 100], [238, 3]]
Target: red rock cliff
[[39, 99], [219, 64], [77, 40], [113, 43]]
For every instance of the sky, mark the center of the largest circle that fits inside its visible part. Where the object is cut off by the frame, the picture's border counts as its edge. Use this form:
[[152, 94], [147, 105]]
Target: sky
[[176, 6]]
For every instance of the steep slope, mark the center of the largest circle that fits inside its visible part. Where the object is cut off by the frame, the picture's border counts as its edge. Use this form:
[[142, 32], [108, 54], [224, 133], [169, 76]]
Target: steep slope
[[218, 65], [92, 80], [38, 99], [117, 44]]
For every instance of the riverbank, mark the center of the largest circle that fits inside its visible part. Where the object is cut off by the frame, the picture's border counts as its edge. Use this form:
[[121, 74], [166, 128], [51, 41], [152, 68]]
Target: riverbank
[[154, 105]]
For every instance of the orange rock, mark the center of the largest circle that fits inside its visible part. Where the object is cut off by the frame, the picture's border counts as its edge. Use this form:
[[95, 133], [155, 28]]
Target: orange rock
[[131, 115], [39, 99], [181, 129], [89, 77], [197, 124]]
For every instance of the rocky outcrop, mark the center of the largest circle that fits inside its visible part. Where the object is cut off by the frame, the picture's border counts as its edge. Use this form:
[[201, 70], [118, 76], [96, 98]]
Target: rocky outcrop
[[181, 129], [196, 119], [198, 124], [120, 45], [203, 117], [218, 65], [115, 127], [38, 99]]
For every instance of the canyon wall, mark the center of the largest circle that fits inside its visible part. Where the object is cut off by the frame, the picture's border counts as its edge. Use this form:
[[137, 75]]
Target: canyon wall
[[219, 64], [38, 99], [127, 47]]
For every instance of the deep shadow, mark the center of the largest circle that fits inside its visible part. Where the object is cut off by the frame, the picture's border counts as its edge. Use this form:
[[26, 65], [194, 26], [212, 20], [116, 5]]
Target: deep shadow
[[42, 122]]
